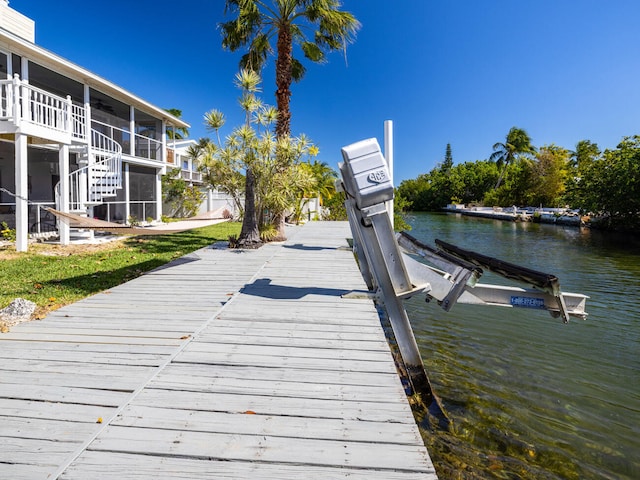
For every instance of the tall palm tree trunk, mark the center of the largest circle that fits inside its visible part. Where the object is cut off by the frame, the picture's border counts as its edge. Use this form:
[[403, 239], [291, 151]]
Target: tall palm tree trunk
[[283, 81], [502, 172], [283, 99]]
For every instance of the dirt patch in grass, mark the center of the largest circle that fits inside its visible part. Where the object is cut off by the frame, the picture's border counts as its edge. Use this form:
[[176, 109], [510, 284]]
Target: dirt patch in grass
[[8, 252]]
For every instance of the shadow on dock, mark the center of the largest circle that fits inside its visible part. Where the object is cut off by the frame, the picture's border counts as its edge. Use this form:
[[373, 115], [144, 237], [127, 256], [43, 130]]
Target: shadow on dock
[[263, 287]]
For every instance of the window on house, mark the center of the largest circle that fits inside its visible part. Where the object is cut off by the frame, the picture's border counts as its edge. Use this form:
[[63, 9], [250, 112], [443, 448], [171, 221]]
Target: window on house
[[142, 192], [108, 110], [146, 125], [142, 183], [4, 104], [16, 65], [55, 83], [3, 65]]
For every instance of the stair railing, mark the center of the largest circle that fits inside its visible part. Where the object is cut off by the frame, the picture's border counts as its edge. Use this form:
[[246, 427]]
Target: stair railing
[[97, 180]]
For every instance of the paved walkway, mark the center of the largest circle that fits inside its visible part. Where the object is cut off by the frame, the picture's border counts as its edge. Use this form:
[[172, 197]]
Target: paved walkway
[[222, 364]]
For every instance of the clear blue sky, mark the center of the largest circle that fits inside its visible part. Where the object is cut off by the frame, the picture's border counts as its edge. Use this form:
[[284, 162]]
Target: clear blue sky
[[451, 71]]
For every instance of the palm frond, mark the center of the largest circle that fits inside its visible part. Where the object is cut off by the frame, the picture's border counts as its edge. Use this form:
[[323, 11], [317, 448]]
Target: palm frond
[[297, 70], [248, 80], [313, 52], [214, 119]]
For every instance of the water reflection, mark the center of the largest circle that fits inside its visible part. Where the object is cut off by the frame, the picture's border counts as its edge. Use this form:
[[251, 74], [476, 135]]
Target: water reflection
[[531, 397]]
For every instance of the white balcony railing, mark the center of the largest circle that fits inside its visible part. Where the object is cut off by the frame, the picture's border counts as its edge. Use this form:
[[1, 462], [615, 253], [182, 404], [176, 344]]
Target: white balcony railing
[[78, 117], [191, 176], [24, 104], [148, 148], [43, 109], [6, 99]]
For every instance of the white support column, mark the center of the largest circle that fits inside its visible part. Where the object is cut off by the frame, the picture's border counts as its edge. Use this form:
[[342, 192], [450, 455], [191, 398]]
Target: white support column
[[388, 155], [158, 195], [9, 67], [24, 66], [163, 136], [63, 167], [132, 127], [87, 114], [127, 194], [17, 99], [22, 193]]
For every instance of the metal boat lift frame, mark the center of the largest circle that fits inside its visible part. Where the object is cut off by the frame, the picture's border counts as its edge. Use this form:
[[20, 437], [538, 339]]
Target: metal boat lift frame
[[447, 274]]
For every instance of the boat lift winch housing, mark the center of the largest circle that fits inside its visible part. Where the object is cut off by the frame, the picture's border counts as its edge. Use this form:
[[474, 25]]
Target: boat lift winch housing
[[445, 273]]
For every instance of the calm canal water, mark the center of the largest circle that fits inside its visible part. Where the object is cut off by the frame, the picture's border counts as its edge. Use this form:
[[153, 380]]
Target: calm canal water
[[531, 397]]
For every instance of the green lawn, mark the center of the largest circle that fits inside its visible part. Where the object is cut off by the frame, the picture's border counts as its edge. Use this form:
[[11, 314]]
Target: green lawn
[[52, 281]]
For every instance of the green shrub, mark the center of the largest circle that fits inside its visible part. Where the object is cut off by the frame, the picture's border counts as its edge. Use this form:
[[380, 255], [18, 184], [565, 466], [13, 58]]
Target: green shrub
[[8, 233], [268, 232]]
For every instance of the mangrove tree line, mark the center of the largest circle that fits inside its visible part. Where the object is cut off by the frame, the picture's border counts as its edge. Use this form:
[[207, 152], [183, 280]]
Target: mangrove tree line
[[605, 183]]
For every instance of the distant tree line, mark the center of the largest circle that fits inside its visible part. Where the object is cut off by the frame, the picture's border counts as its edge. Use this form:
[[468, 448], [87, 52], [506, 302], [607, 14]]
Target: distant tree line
[[603, 184]]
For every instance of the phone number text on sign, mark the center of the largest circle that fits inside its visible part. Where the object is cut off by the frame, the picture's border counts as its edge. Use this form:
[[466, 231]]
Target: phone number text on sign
[[527, 302]]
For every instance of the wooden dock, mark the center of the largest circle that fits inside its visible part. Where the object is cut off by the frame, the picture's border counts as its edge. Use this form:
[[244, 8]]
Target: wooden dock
[[222, 364]]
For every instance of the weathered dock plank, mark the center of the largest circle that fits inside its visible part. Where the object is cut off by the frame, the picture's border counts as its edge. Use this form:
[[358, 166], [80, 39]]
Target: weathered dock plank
[[64, 394], [44, 429], [262, 448], [143, 467], [300, 389], [30, 451], [54, 411], [274, 425], [223, 364], [366, 409]]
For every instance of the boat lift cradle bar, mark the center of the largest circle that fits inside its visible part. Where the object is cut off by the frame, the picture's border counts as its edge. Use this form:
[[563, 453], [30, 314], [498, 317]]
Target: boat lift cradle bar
[[545, 295], [455, 272]]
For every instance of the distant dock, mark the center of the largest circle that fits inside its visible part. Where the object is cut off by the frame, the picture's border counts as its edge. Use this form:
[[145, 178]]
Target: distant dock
[[558, 216], [222, 364]]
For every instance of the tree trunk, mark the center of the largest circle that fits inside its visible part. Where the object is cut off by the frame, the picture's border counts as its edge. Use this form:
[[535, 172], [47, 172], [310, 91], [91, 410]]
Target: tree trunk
[[250, 235], [283, 81], [280, 224], [502, 172], [283, 98]]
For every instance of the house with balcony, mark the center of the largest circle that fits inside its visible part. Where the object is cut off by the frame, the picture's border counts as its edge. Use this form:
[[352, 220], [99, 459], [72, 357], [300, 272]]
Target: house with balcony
[[181, 164], [72, 140], [179, 158]]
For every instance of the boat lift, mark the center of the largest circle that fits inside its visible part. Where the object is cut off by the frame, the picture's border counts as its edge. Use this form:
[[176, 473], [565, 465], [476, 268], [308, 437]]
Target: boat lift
[[446, 273]]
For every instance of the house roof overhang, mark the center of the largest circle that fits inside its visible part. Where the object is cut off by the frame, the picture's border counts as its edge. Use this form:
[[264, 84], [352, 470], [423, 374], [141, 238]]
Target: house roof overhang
[[48, 59]]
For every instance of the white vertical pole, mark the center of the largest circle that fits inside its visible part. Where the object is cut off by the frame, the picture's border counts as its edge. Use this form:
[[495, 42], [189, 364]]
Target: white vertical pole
[[132, 128], [388, 155], [9, 66], [22, 193], [63, 168], [163, 136], [127, 194], [24, 66], [158, 195], [87, 114]]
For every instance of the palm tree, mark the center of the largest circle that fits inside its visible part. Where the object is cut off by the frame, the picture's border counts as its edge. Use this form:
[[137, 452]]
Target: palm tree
[[317, 26], [325, 180], [176, 133], [244, 145], [585, 153], [516, 144]]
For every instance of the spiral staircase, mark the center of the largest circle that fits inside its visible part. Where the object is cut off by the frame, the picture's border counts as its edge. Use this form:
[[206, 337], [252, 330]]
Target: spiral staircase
[[99, 179]]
